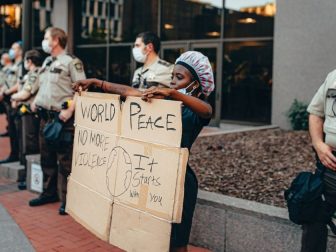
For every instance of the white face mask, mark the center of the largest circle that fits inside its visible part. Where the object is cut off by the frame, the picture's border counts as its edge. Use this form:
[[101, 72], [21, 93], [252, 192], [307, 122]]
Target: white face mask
[[138, 55], [46, 47], [184, 90]]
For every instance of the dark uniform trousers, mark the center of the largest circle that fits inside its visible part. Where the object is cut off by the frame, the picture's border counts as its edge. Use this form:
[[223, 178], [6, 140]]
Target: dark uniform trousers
[[314, 235], [30, 140], [12, 130], [56, 162]]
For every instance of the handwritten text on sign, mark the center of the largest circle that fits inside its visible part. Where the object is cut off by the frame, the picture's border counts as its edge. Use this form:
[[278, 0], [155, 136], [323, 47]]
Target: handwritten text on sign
[[141, 166], [156, 122]]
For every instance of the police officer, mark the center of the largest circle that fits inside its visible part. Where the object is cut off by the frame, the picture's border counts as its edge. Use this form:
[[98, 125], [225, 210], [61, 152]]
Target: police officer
[[155, 71], [10, 87], [58, 72], [6, 64], [322, 129], [30, 122]]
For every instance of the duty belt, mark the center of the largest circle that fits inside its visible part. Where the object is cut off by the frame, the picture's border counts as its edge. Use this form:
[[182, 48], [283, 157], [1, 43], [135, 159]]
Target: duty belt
[[46, 115]]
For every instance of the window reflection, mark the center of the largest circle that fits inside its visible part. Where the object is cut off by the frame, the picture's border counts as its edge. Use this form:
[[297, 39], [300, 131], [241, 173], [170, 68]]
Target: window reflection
[[247, 81], [120, 65], [191, 19], [171, 54], [93, 21], [104, 21], [42, 16], [249, 18], [94, 60], [10, 23]]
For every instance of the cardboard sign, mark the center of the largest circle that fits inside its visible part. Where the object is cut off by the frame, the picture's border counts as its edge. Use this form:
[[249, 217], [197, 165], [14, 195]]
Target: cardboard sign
[[128, 170], [99, 111], [157, 122]]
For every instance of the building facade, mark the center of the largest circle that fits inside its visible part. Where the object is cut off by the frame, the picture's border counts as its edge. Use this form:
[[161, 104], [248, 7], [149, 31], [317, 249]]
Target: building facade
[[236, 35]]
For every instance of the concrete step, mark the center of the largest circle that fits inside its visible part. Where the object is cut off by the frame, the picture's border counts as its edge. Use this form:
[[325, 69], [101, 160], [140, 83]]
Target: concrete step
[[11, 171]]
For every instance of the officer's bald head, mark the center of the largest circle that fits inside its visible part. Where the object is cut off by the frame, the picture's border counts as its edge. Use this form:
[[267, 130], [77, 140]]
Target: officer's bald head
[[58, 34], [151, 37]]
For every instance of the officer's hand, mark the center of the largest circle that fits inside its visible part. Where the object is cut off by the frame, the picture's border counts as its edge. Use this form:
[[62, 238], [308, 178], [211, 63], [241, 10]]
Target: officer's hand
[[156, 92], [14, 97], [325, 155], [65, 114], [83, 84]]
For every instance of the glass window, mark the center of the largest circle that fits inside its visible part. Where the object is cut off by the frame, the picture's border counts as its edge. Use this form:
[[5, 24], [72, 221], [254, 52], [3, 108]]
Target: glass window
[[171, 54], [10, 24], [120, 65], [94, 60], [249, 18], [91, 22], [189, 19], [247, 81], [123, 19], [135, 17], [42, 16]]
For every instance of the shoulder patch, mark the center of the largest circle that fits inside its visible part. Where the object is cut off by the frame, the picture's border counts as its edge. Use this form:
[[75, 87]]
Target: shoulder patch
[[79, 66], [165, 63], [32, 78]]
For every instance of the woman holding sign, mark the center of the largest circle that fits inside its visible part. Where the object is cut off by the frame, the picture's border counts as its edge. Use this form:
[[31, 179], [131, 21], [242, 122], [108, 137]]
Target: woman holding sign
[[192, 82]]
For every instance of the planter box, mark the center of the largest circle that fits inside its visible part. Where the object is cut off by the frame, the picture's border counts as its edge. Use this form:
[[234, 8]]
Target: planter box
[[223, 223]]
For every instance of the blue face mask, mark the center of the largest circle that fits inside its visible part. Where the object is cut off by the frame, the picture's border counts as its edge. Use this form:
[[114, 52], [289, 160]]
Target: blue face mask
[[185, 90], [11, 54]]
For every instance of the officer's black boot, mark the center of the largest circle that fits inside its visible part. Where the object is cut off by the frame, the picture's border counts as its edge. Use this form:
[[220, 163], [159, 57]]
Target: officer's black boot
[[42, 200], [61, 210], [22, 185]]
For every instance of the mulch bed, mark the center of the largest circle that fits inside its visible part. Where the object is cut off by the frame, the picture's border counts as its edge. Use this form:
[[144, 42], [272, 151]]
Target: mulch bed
[[254, 165]]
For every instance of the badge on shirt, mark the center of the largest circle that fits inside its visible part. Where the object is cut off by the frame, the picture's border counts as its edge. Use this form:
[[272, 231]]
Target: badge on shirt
[[151, 76]]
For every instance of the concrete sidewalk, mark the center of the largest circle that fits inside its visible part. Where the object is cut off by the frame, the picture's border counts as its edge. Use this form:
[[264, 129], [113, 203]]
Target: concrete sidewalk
[[12, 239]]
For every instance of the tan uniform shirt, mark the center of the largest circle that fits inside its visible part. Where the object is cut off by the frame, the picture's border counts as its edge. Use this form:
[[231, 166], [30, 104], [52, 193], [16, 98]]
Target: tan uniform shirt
[[14, 75], [323, 105], [158, 73], [3, 75], [31, 84], [56, 77]]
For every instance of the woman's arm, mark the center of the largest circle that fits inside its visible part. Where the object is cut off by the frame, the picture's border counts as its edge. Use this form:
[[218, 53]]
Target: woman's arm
[[108, 87], [200, 107]]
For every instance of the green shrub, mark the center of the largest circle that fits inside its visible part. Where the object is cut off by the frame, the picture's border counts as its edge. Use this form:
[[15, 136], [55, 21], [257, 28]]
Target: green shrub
[[298, 115]]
